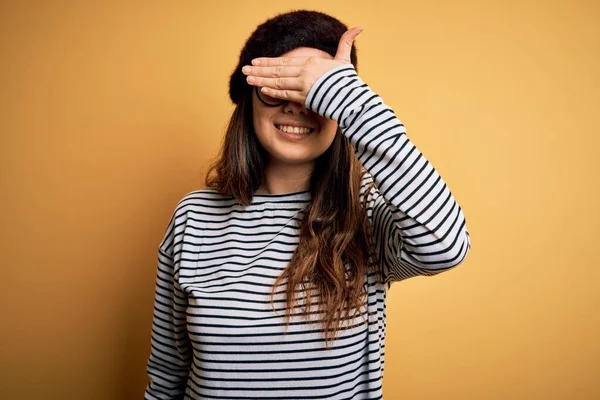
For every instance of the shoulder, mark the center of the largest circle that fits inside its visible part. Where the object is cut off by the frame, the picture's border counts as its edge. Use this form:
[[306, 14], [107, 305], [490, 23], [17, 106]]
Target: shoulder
[[191, 212], [202, 201]]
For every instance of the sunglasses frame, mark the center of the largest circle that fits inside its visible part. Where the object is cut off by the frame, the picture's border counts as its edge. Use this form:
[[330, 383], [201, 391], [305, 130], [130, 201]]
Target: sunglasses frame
[[268, 104]]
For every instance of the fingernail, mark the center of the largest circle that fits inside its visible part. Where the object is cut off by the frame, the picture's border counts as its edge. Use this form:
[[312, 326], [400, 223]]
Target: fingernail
[[246, 69], [255, 62], [250, 79]]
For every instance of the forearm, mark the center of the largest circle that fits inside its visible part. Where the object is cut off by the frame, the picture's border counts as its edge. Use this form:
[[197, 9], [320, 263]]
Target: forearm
[[429, 221]]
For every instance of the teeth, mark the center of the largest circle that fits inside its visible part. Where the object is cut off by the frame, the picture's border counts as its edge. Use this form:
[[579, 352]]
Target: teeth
[[293, 129]]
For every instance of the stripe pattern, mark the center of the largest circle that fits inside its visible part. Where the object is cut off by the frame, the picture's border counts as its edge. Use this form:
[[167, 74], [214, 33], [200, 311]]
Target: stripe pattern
[[215, 334]]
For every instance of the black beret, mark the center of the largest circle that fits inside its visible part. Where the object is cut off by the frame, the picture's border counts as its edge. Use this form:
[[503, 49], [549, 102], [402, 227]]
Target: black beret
[[286, 32]]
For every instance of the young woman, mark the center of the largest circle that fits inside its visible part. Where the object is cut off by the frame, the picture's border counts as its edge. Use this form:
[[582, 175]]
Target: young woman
[[272, 280]]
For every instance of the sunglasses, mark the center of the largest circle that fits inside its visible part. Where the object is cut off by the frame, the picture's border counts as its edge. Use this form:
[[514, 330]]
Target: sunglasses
[[268, 100]]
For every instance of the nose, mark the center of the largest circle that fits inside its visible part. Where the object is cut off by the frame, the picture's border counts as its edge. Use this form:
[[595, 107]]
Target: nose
[[293, 107]]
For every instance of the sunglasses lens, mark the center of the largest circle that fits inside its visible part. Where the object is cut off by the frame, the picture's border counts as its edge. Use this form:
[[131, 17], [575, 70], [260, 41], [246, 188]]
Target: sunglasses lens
[[268, 100]]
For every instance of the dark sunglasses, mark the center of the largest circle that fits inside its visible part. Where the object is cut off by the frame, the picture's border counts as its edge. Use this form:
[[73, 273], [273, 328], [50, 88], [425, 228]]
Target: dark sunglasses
[[268, 100]]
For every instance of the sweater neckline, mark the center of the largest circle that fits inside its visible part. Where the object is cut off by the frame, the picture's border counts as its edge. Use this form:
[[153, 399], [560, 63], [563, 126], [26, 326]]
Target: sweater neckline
[[282, 197]]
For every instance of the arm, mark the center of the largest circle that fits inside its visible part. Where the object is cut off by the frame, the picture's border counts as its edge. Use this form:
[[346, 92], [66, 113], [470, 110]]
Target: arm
[[419, 228], [171, 354]]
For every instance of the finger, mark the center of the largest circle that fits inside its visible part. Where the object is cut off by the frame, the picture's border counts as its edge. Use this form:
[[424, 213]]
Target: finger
[[276, 83], [291, 95], [274, 61], [273, 72], [345, 45]]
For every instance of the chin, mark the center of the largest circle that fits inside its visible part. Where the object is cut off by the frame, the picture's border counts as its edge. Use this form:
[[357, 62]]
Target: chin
[[293, 159]]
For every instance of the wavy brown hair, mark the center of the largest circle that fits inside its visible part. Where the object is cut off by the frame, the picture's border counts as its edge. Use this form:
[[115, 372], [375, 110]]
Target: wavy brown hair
[[331, 261]]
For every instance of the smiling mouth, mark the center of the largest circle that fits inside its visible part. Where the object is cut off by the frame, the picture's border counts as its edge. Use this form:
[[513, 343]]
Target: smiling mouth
[[295, 129]]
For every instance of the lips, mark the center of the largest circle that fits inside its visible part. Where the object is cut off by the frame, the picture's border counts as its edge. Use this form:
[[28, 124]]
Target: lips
[[293, 133], [296, 124], [311, 129]]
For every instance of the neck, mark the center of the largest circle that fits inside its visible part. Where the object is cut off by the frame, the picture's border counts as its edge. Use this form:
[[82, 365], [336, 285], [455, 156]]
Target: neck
[[281, 178]]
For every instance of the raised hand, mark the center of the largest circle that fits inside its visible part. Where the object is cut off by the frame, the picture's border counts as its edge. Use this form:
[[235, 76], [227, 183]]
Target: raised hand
[[290, 78]]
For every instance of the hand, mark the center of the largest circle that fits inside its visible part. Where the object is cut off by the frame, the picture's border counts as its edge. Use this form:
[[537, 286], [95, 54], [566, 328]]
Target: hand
[[289, 78]]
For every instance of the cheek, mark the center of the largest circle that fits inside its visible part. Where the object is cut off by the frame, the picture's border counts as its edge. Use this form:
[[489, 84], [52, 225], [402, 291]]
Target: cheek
[[328, 129], [261, 120]]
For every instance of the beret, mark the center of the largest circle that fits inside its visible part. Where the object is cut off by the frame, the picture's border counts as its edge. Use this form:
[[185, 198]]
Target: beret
[[286, 32]]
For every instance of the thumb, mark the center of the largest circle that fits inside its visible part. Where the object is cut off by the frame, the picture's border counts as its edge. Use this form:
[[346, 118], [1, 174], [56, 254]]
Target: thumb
[[345, 46]]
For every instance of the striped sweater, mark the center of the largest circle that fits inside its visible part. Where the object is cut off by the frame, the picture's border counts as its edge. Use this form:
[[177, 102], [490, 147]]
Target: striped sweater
[[214, 332]]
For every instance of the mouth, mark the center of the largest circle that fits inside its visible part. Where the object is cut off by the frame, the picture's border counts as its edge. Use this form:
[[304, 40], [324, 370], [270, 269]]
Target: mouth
[[295, 130]]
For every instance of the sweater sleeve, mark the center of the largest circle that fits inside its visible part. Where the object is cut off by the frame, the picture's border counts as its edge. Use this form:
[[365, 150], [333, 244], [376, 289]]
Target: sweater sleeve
[[418, 227], [170, 357]]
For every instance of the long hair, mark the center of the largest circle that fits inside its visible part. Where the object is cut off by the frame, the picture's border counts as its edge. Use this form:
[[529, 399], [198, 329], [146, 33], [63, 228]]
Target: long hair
[[331, 261]]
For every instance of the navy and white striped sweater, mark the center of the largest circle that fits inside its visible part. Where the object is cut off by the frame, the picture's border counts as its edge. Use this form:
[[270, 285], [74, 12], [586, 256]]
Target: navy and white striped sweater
[[214, 333]]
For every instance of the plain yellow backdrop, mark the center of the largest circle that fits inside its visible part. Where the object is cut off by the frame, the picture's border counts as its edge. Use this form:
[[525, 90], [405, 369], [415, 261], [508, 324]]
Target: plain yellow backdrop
[[111, 111]]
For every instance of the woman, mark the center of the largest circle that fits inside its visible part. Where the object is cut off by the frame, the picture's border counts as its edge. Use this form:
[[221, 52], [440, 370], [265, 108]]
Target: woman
[[272, 281]]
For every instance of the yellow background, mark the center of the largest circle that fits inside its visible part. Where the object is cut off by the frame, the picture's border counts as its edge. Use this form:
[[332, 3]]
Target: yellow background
[[111, 111]]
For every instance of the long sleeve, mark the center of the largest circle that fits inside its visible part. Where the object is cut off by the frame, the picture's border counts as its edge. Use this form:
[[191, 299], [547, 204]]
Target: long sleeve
[[418, 227], [170, 358]]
